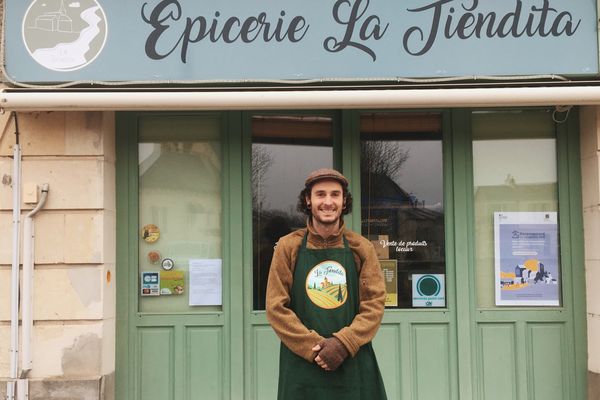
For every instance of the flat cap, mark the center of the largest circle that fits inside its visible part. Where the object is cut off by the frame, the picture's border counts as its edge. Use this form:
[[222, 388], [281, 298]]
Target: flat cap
[[325, 173]]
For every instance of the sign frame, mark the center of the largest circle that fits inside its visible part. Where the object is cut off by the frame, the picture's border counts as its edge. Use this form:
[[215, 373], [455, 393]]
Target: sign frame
[[297, 42]]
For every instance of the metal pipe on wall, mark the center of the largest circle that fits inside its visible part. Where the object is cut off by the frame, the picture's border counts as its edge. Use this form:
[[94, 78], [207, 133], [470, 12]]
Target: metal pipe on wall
[[27, 294], [145, 100], [14, 292]]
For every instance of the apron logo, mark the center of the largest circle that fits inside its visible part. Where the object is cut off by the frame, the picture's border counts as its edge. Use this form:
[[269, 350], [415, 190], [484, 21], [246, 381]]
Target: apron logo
[[326, 285], [64, 35]]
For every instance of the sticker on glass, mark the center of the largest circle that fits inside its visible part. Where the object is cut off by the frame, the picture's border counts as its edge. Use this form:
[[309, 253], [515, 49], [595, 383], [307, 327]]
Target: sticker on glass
[[150, 284], [153, 256], [172, 282], [150, 233], [428, 290], [167, 264], [326, 285]]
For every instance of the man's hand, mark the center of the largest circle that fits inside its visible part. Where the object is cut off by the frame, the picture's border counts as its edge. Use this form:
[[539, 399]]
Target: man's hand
[[331, 354]]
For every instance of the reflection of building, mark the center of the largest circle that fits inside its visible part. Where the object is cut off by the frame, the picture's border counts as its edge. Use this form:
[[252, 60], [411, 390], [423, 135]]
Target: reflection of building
[[55, 21], [184, 205], [390, 210], [494, 198]]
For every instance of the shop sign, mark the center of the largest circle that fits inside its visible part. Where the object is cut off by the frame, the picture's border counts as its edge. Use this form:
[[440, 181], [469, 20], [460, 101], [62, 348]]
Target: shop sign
[[526, 259], [183, 41]]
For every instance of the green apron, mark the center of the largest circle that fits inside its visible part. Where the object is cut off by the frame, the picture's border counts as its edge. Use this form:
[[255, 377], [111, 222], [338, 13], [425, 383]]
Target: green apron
[[325, 297]]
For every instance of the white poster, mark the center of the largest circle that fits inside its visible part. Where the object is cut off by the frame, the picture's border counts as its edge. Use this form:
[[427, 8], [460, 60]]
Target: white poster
[[205, 282], [526, 259]]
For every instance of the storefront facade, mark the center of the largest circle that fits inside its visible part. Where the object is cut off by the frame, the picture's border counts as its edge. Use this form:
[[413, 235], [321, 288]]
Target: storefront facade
[[165, 200]]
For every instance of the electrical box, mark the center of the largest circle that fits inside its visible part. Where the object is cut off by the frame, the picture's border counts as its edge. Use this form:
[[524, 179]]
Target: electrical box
[[30, 193]]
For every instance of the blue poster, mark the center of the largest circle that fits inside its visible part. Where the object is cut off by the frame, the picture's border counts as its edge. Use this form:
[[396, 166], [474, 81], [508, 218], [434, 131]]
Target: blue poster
[[527, 259]]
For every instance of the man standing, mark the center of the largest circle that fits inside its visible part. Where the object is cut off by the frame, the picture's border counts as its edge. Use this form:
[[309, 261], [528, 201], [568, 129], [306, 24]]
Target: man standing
[[325, 300]]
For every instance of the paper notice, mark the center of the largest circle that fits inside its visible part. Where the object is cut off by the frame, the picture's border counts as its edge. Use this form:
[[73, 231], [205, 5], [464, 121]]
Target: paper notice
[[205, 282]]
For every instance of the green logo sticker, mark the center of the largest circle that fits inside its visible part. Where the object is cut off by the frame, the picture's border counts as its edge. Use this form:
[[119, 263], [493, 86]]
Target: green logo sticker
[[428, 290], [428, 285]]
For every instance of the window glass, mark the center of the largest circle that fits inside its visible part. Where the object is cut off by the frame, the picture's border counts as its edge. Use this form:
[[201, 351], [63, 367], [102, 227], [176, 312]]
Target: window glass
[[179, 207], [515, 189], [402, 204], [285, 149]]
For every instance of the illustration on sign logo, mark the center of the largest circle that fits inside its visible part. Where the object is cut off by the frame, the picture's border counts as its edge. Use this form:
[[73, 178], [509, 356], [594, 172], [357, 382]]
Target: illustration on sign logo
[[64, 35]]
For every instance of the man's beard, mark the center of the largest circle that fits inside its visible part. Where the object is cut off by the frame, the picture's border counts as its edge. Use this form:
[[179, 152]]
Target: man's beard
[[317, 219]]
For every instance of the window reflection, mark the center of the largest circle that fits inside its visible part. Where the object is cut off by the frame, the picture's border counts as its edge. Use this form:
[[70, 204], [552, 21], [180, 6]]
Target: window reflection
[[180, 198], [402, 208], [514, 170], [284, 150]]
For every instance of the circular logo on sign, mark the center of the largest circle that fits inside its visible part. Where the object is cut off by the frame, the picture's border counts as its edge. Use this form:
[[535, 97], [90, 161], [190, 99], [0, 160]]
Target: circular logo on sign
[[326, 285], [429, 285], [64, 35]]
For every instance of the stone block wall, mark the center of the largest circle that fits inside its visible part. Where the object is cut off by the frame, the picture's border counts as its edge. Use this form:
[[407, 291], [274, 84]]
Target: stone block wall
[[74, 287], [590, 177]]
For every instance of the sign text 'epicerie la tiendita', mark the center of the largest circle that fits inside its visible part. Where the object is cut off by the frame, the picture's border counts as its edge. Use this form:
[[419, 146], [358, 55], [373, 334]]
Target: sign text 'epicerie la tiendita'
[[354, 25]]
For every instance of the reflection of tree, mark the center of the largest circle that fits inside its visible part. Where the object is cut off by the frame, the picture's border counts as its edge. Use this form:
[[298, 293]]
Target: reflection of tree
[[382, 158], [380, 165], [261, 162], [393, 212]]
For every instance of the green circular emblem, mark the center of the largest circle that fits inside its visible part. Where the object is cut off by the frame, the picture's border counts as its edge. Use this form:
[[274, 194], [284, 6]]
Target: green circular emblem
[[429, 285]]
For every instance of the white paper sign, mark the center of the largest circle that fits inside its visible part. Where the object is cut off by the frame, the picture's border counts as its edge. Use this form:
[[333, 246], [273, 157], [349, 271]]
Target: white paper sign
[[205, 282]]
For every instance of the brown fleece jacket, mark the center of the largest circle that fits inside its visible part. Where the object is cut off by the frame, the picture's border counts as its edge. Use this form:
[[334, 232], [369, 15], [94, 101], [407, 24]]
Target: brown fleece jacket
[[286, 324]]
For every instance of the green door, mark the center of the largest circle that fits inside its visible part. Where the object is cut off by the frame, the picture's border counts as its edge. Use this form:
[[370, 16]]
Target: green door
[[396, 153], [280, 149], [526, 282], [180, 328]]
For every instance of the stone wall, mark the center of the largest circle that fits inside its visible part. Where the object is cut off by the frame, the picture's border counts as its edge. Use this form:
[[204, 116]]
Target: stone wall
[[590, 165], [74, 287]]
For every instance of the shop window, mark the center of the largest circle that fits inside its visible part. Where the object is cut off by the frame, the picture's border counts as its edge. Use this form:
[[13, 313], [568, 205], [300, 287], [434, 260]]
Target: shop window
[[516, 208], [402, 204], [285, 148], [179, 208]]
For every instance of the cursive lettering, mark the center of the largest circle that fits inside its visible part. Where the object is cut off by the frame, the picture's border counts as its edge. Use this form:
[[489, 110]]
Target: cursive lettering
[[370, 27], [467, 22], [166, 16]]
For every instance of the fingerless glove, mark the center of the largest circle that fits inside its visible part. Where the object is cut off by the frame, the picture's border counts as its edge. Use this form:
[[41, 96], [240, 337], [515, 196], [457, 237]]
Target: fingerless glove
[[333, 352]]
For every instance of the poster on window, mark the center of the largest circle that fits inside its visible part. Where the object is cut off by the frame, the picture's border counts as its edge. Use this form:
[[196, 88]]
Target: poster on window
[[390, 276], [526, 259]]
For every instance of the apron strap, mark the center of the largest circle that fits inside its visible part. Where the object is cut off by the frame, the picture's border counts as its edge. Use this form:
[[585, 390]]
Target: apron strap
[[304, 239]]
